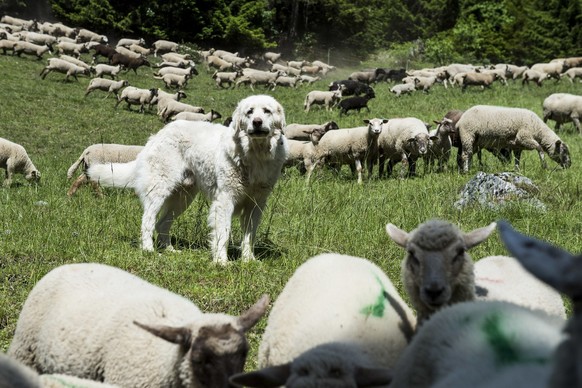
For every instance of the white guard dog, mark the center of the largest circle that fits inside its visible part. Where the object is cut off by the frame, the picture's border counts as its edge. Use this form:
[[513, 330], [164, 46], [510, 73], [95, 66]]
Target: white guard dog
[[235, 167]]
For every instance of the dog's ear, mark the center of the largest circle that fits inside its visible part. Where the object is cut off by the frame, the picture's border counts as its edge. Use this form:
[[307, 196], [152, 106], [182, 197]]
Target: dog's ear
[[238, 118], [280, 117]]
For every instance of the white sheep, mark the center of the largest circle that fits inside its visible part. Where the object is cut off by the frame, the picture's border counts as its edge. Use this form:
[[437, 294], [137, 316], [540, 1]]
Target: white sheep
[[107, 85], [102, 69], [404, 88], [163, 98], [190, 70], [303, 131], [329, 99], [191, 116], [7, 45], [297, 64], [99, 154], [286, 69], [171, 79], [437, 270], [308, 79], [439, 147], [219, 63], [30, 49], [302, 152], [75, 61], [331, 364], [75, 49], [15, 160], [563, 108], [173, 107], [573, 73], [164, 46], [126, 42], [259, 77], [271, 57], [222, 77], [470, 343], [95, 321], [337, 298], [403, 140], [287, 81], [85, 35], [552, 69], [424, 83], [137, 96], [533, 75], [497, 127], [136, 48], [503, 278], [479, 79], [325, 68], [176, 57], [351, 146], [127, 52], [40, 39]]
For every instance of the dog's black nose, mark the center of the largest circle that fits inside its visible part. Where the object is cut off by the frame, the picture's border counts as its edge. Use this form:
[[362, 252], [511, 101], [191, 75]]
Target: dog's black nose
[[257, 122]]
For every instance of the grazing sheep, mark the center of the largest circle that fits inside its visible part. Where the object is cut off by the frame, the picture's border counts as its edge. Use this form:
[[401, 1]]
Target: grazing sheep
[[351, 146], [533, 75], [171, 343], [65, 67], [355, 103], [15, 160], [403, 140], [403, 89], [229, 78], [99, 154], [503, 278], [107, 85], [355, 303], [126, 42], [439, 148], [30, 49], [75, 49], [191, 116], [470, 344], [103, 69], [329, 99], [172, 108], [437, 270], [496, 127], [303, 131], [573, 73], [84, 35], [563, 108], [331, 364], [136, 96], [177, 80]]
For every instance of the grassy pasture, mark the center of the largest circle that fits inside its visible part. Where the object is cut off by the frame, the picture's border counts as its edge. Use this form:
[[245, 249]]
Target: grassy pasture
[[41, 228]]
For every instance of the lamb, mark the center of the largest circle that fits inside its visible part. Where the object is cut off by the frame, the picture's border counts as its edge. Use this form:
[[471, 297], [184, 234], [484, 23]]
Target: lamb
[[84, 35], [332, 364], [479, 79], [30, 49], [402, 89], [402, 140], [259, 77], [107, 85], [129, 63], [424, 83], [178, 80], [355, 303], [65, 67], [352, 146], [329, 99], [287, 81], [136, 96], [75, 49], [437, 270], [562, 108], [439, 148], [99, 154], [302, 153], [102, 69], [496, 127], [308, 79], [229, 78], [303, 131], [14, 159], [191, 116], [171, 343], [575, 72], [533, 75], [355, 103], [172, 108]]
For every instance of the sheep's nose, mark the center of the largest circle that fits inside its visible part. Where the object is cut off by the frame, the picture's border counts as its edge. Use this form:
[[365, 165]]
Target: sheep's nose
[[257, 122], [434, 292]]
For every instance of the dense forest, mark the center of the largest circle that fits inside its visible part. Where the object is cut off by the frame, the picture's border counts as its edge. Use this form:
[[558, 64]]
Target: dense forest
[[441, 31]]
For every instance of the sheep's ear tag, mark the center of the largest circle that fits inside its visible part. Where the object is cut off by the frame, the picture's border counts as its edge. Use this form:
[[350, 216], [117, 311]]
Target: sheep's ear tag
[[477, 236], [274, 376], [397, 235]]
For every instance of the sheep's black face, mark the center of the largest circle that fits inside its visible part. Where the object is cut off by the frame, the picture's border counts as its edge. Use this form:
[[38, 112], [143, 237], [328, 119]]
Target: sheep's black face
[[562, 154]]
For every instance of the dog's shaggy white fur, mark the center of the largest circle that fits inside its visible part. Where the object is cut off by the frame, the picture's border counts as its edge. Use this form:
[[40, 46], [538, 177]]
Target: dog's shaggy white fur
[[235, 167]]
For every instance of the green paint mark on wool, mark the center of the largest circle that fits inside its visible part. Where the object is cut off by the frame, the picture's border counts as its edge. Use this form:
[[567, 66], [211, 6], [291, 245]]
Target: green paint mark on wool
[[377, 308]]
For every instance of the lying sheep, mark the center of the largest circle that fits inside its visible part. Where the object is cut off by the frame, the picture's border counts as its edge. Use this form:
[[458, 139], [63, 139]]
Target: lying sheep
[[563, 108], [496, 127], [137, 96], [172, 108], [403, 140], [99, 154], [355, 303], [230, 78], [171, 343], [15, 160], [107, 85], [303, 131], [470, 344], [164, 46], [437, 270], [333, 364], [191, 116], [103, 69], [329, 99], [351, 146], [402, 89], [30, 49], [177, 80]]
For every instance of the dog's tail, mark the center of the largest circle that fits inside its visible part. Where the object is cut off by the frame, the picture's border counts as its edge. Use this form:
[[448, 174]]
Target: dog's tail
[[120, 175]]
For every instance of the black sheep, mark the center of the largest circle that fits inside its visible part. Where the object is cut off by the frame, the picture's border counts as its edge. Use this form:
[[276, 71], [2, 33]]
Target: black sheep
[[129, 62], [355, 103], [352, 88]]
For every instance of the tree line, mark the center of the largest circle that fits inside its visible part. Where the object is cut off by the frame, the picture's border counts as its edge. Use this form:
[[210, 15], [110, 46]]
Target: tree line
[[435, 31]]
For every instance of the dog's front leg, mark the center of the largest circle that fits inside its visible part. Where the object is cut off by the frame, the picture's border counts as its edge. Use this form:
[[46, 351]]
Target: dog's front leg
[[250, 218], [219, 221]]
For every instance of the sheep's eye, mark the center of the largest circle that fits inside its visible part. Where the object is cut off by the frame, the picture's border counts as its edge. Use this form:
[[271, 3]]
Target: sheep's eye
[[460, 256], [413, 260], [335, 372]]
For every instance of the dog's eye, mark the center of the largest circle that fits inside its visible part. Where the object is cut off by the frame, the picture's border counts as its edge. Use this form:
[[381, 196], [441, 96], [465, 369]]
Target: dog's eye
[[250, 111], [267, 111]]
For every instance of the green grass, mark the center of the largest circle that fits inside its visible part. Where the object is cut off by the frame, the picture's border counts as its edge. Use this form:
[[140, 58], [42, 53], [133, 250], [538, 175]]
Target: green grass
[[41, 228]]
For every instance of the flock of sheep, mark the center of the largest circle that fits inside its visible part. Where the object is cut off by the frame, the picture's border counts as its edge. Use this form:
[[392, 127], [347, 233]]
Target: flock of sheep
[[93, 325]]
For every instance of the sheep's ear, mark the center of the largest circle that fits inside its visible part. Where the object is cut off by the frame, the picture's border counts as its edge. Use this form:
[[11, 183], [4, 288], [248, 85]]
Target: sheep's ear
[[175, 335], [552, 265], [397, 235], [372, 377], [308, 132], [250, 317], [385, 121], [477, 236], [274, 376], [366, 121], [437, 122]]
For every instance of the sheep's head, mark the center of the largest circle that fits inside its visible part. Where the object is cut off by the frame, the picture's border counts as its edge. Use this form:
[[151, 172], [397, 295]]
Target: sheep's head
[[419, 143], [561, 154], [437, 270], [33, 176], [375, 125]]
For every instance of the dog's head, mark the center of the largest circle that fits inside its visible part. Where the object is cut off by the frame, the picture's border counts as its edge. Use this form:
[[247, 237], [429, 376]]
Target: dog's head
[[259, 116]]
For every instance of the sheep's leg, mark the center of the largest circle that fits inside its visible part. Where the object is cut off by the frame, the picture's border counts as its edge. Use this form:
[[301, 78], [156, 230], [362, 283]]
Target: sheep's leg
[[250, 218], [528, 143], [82, 179], [405, 167], [8, 177], [517, 158], [577, 124], [174, 206], [219, 220], [359, 170]]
